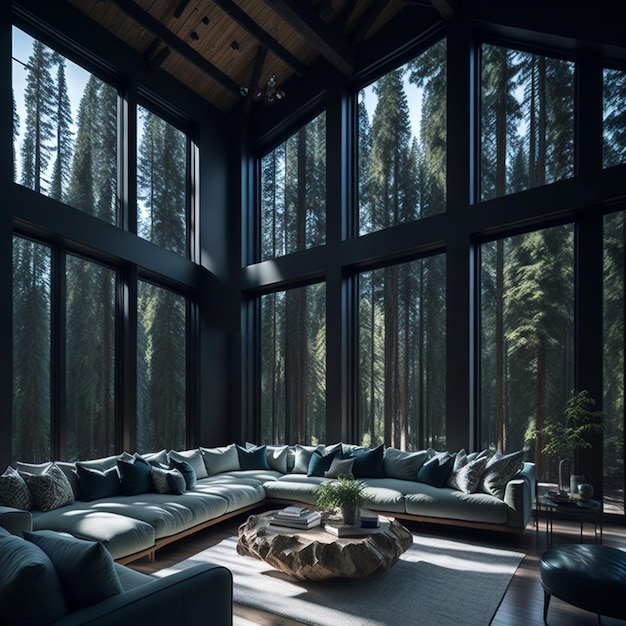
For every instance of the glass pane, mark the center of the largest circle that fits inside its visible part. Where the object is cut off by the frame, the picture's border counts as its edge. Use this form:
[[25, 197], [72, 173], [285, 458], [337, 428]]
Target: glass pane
[[64, 130], [90, 360], [614, 127], [613, 331], [293, 192], [31, 351], [402, 144], [293, 365], [161, 182], [527, 340], [161, 369], [527, 121], [401, 347]]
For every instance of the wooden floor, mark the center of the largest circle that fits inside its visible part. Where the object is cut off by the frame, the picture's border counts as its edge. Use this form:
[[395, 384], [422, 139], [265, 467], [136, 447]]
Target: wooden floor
[[522, 605]]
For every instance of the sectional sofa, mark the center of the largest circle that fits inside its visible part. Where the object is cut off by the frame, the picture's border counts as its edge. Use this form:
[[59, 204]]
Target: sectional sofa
[[135, 504]]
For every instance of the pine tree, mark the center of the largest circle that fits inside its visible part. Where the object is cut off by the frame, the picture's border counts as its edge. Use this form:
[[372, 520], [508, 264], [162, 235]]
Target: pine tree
[[62, 124], [40, 104], [16, 129]]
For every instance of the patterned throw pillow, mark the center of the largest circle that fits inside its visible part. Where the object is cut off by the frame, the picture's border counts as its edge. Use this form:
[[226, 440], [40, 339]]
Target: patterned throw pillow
[[340, 467], [468, 477], [167, 480], [460, 460], [500, 469], [51, 489], [14, 491]]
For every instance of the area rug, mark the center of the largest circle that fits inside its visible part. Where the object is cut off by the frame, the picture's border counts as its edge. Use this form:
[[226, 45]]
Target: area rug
[[436, 582]]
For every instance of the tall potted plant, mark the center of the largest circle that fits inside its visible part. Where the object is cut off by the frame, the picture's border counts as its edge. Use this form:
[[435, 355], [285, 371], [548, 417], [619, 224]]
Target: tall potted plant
[[565, 435]]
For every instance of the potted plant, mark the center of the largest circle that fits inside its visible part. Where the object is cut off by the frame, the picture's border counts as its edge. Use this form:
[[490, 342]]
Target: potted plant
[[565, 435], [345, 494]]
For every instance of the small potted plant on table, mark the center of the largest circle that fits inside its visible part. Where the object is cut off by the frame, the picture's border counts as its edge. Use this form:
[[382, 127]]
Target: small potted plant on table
[[345, 494]]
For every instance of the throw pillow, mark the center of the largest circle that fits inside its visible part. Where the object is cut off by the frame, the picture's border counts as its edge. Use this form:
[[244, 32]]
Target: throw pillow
[[435, 471], [195, 458], [302, 458], [85, 568], [156, 458], [218, 460], [94, 484], [30, 589], [253, 458], [403, 465], [187, 472], [320, 462], [167, 480], [500, 469], [468, 477], [51, 489], [368, 463], [340, 467], [14, 491], [460, 460], [277, 457], [103, 463], [135, 476]]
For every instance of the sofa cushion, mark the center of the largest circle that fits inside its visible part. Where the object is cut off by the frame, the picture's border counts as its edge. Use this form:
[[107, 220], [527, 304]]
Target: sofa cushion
[[368, 462], [14, 491], [252, 458], [51, 489], [403, 465], [30, 589], [135, 476], [320, 462], [500, 469], [435, 471], [218, 460], [85, 568], [187, 471], [195, 458], [94, 484]]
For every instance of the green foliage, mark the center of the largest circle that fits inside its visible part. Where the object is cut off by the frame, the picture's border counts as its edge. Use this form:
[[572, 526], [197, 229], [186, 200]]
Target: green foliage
[[332, 495], [563, 436]]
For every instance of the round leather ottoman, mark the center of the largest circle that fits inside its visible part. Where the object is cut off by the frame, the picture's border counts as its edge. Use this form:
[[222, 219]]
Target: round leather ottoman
[[591, 577]]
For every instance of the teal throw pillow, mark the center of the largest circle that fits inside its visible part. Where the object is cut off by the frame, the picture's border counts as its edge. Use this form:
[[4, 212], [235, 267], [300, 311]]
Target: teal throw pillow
[[253, 458], [135, 476], [319, 463], [435, 471], [368, 462], [94, 484], [85, 568], [189, 474]]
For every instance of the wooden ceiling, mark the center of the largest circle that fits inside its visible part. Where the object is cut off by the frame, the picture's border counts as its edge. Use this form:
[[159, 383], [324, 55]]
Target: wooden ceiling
[[221, 48]]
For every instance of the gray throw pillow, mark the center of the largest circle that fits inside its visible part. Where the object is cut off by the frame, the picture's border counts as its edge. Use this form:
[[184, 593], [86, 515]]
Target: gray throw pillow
[[403, 465], [340, 467], [51, 489], [460, 460], [303, 457], [14, 491], [194, 458], [221, 459], [30, 589], [85, 568], [468, 477], [500, 469], [277, 456], [168, 480]]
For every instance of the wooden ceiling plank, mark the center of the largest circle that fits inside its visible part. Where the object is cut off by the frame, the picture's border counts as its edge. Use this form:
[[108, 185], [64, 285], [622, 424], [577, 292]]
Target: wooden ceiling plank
[[368, 20], [302, 18], [242, 18], [175, 43]]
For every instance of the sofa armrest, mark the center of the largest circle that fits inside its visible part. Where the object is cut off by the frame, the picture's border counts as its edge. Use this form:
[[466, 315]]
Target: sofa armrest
[[16, 521], [202, 594], [519, 496]]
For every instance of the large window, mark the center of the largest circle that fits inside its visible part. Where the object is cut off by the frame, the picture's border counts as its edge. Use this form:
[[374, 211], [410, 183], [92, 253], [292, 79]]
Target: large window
[[613, 370], [293, 193], [292, 364], [90, 359], [32, 324], [614, 114], [162, 167], [402, 144], [527, 121], [64, 130], [401, 355], [527, 339], [161, 369]]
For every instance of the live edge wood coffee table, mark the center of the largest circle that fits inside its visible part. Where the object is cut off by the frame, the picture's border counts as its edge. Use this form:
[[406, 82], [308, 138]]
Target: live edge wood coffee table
[[316, 554]]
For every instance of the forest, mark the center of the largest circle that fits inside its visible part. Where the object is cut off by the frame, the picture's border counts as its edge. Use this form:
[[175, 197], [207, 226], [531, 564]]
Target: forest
[[75, 161]]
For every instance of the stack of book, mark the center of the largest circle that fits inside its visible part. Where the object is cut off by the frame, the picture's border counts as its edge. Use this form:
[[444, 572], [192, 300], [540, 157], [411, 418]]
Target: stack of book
[[368, 525], [297, 517]]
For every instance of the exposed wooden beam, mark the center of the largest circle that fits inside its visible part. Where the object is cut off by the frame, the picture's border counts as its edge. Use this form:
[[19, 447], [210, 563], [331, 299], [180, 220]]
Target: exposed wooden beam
[[444, 8], [367, 21], [306, 22], [256, 75], [246, 22], [144, 19]]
